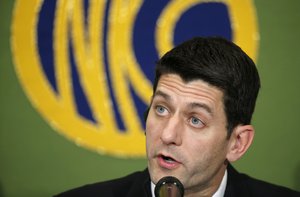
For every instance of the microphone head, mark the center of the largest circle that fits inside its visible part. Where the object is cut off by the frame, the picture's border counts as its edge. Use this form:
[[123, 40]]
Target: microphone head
[[169, 186]]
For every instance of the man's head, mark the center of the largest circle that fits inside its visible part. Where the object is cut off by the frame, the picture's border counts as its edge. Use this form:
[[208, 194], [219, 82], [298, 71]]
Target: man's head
[[203, 99], [222, 64]]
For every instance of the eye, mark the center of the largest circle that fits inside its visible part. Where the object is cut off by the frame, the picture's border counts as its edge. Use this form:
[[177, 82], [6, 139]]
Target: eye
[[160, 110], [196, 122]]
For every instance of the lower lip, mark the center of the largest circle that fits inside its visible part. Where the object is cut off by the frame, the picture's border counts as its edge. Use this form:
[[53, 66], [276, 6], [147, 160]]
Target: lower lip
[[167, 165]]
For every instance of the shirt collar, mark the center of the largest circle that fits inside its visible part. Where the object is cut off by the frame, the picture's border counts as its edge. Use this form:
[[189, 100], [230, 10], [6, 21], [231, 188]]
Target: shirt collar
[[221, 190], [152, 189], [219, 193]]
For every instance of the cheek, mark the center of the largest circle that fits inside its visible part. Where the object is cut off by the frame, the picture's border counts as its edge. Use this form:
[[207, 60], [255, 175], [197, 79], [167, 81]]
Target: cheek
[[153, 124], [152, 129], [206, 148], [197, 149]]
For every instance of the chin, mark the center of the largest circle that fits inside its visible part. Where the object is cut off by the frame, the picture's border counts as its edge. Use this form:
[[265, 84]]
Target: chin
[[157, 173]]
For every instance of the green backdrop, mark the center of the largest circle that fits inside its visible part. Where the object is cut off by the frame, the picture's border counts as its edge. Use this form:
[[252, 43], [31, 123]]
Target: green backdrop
[[37, 161]]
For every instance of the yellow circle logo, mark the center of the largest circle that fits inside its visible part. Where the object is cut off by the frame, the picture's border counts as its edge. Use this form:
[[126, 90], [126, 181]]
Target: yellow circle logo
[[87, 65]]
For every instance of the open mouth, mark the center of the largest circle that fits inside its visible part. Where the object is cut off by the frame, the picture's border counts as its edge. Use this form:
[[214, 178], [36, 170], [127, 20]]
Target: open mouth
[[168, 159], [168, 162]]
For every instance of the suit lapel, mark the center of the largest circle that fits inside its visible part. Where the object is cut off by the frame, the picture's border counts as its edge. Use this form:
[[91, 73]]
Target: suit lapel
[[235, 187], [142, 186]]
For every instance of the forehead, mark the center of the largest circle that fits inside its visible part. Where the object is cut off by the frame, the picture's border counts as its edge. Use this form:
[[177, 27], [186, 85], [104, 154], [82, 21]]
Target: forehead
[[194, 91]]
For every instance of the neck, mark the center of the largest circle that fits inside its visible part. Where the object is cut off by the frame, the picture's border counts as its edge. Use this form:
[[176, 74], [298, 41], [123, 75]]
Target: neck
[[215, 187]]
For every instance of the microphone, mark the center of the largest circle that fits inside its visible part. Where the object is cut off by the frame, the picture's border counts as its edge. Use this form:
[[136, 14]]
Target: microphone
[[169, 186]]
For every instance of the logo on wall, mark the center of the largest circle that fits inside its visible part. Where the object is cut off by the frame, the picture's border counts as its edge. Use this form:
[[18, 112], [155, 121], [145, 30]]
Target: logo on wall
[[87, 66]]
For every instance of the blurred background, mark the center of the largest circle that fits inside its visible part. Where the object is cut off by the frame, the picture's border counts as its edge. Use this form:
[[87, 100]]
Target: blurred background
[[56, 128]]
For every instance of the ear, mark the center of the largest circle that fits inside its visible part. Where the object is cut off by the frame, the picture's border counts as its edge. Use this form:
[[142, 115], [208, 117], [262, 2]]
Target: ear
[[239, 142]]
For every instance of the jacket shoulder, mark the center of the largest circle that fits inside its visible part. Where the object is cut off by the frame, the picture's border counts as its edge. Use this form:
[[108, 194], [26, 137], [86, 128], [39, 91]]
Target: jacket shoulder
[[241, 184], [262, 188], [134, 183]]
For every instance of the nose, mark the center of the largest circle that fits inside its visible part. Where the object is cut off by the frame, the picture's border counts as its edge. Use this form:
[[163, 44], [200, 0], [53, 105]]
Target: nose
[[172, 131]]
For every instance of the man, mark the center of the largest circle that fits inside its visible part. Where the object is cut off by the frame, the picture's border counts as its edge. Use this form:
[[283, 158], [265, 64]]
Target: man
[[198, 122]]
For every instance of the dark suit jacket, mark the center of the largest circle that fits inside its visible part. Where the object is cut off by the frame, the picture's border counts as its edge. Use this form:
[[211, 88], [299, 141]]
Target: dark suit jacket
[[138, 185]]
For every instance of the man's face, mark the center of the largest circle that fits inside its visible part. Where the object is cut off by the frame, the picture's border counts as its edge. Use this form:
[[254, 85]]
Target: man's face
[[186, 133]]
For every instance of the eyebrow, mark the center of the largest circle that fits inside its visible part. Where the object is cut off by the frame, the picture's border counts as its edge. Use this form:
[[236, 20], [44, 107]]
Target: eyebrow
[[201, 105], [162, 94], [190, 105]]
